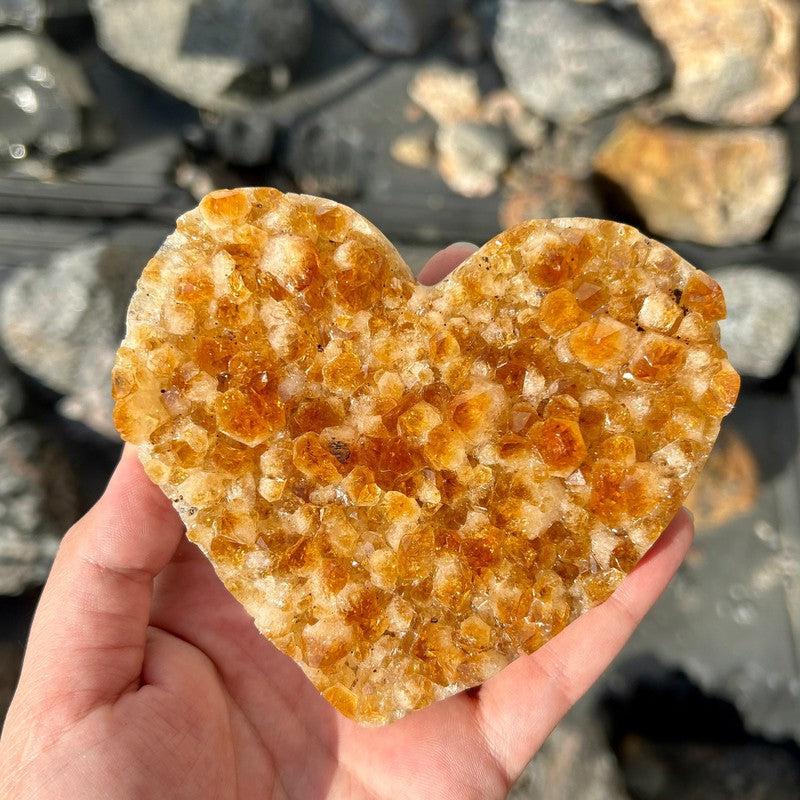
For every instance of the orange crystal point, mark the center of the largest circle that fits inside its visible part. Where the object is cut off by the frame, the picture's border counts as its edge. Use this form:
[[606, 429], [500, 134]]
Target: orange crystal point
[[408, 487]]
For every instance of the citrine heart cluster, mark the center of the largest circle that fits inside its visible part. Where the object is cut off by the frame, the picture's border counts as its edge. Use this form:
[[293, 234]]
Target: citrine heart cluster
[[407, 487]]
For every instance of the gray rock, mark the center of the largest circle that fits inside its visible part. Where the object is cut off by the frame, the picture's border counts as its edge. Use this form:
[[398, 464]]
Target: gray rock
[[394, 27], [328, 157], [37, 504], [763, 320], [472, 156], [244, 140], [42, 94], [12, 397], [213, 53], [569, 61], [28, 14], [62, 323]]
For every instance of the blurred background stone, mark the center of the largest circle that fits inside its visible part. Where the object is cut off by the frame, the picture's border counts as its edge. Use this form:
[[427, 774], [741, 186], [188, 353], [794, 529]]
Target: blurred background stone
[[472, 157], [534, 192], [42, 94], [37, 503], [395, 27], [446, 93], [28, 14], [763, 319], [244, 140], [736, 61], [503, 108], [61, 323], [728, 485], [213, 53], [717, 187], [569, 61]]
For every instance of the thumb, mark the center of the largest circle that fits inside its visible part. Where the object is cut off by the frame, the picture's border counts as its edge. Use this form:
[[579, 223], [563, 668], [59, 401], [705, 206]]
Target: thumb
[[88, 635]]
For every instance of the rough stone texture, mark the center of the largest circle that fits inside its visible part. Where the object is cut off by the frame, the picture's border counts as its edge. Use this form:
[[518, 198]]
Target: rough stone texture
[[447, 93], [42, 95], [472, 156], [394, 27], [12, 397], [37, 504], [407, 486], [62, 323], [569, 61], [763, 318], [717, 187], [213, 53], [736, 61], [728, 486], [329, 156]]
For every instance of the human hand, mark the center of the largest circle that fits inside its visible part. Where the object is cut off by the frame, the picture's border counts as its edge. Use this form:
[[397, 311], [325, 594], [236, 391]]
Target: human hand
[[144, 678]]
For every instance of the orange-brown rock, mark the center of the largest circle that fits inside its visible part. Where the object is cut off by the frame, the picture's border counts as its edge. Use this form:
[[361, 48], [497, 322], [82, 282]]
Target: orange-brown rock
[[736, 61], [714, 186], [729, 485], [408, 487]]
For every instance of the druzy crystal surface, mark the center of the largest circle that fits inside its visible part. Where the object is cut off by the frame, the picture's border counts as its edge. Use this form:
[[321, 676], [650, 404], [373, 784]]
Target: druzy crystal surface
[[407, 487]]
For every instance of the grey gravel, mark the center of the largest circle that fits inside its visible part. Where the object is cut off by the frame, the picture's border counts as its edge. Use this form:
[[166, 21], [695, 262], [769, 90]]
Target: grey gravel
[[394, 27], [214, 53], [570, 61], [763, 320], [37, 504]]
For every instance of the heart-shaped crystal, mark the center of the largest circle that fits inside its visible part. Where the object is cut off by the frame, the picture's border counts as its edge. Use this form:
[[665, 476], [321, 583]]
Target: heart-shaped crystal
[[405, 486]]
